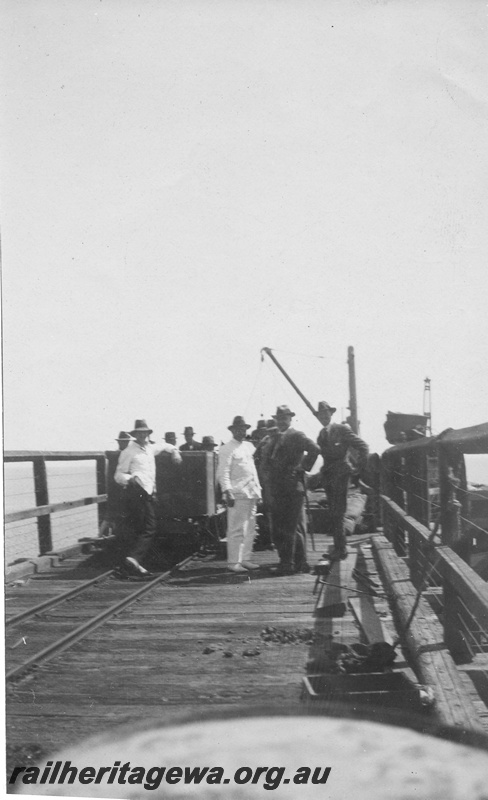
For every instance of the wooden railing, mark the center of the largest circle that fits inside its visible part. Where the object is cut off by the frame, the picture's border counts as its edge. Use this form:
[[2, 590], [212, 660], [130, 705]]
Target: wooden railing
[[43, 509], [425, 501]]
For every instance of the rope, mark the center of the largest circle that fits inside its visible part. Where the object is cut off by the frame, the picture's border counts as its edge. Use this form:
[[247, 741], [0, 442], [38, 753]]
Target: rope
[[253, 388], [424, 499], [468, 491], [294, 353], [474, 525]]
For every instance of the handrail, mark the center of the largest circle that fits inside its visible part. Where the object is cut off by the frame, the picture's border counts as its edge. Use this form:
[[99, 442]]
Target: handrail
[[52, 455], [465, 594], [40, 511], [424, 482], [43, 509]]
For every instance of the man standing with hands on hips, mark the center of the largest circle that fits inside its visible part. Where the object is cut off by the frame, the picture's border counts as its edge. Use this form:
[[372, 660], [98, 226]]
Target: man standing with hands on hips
[[336, 441], [291, 455], [241, 490]]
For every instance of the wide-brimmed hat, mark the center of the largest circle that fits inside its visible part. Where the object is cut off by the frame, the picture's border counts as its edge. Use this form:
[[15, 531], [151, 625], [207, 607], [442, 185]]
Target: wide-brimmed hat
[[239, 422], [324, 406], [209, 441], [188, 430], [283, 411], [271, 425], [123, 436], [169, 434], [140, 426], [261, 423]]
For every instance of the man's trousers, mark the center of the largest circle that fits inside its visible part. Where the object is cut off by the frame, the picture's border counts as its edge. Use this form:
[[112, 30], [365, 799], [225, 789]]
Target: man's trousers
[[289, 528], [336, 483], [241, 529], [141, 518]]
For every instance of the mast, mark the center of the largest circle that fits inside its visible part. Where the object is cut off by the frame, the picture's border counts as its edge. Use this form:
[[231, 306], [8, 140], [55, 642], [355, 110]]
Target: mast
[[427, 407], [353, 401]]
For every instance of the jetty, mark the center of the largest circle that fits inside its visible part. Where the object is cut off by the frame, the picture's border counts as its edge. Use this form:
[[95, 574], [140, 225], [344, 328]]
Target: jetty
[[86, 651]]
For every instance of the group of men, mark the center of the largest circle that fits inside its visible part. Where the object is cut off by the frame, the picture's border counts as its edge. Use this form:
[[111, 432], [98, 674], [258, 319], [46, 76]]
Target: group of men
[[135, 478], [275, 470], [270, 466]]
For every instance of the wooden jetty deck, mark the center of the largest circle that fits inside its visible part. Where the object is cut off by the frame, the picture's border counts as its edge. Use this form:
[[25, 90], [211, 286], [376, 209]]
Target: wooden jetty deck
[[207, 640]]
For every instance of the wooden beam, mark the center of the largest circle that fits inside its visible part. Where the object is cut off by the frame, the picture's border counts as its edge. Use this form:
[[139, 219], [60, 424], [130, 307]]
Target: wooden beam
[[368, 620], [42, 511], [336, 587], [51, 455], [425, 642], [468, 585], [101, 486], [42, 499], [411, 524]]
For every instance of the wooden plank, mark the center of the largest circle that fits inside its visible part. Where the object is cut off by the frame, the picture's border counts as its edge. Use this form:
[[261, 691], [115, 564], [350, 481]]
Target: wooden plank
[[410, 523], [468, 585], [10, 456], [101, 486], [368, 620], [51, 508], [42, 498], [424, 640], [346, 569], [462, 578], [160, 644], [337, 586]]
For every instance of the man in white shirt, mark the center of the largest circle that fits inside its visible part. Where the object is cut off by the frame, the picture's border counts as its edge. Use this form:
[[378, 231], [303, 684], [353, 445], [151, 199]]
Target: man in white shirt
[[136, 472], [241, 490]]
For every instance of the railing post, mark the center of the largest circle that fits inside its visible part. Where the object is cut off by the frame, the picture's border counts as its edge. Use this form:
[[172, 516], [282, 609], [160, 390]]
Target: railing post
[[452, 536], [385, 488], [413, 509], [453, 636], [101, 486], [42, 499], [416, 486], [398, 496], [450, 511]]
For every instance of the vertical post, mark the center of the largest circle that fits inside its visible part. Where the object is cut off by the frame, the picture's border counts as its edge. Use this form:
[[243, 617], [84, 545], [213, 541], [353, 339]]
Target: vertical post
[[453, 634], [353, 402], [393, 529], [42, 499], [101, 486], [451, 527], [450, 511], [417, 493]]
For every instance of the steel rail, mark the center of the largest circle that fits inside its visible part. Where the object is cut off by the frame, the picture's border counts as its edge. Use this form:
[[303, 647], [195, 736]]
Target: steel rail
[[53, 601], [87, 627]]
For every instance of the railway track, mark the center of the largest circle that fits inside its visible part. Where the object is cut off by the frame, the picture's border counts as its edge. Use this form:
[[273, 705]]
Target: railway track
[[42, 631]]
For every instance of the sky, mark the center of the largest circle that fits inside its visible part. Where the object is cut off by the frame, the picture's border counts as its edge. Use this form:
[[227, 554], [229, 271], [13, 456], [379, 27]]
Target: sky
[[185, 183]]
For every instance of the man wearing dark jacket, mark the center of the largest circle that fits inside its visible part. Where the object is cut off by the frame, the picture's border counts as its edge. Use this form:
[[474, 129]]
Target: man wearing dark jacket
[[336, 442], [190, 443], [292, 454]]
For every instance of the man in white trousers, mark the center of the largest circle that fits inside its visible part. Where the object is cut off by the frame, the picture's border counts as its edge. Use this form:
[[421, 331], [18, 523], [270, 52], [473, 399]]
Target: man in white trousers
[[241, 490]]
